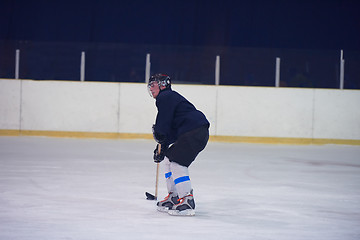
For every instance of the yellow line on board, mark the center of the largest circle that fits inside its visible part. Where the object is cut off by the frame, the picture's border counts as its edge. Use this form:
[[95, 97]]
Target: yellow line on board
[[70, 134], [232, 139], [274, 140]]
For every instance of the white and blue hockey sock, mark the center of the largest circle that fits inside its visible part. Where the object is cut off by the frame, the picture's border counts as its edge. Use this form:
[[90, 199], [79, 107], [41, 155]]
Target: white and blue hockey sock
[[181, 178], [168, 176]]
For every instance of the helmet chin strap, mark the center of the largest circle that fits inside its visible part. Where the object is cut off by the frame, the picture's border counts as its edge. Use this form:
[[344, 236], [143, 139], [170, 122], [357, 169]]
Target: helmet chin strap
[[161, 87]]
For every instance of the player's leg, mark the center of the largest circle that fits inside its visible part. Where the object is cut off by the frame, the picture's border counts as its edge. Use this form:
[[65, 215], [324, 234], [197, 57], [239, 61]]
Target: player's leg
[[186, 202], [172, 198], [181, 154]]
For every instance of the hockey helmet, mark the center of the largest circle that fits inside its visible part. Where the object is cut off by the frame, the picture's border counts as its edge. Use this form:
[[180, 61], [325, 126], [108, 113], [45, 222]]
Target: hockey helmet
[[162, 80]]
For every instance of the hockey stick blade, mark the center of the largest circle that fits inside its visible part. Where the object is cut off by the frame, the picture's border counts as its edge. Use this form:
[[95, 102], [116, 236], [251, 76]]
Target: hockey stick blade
[[149, 196]]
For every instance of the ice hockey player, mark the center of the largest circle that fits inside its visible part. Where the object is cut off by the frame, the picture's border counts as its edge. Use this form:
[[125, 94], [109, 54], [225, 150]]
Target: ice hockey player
[[181, 132]]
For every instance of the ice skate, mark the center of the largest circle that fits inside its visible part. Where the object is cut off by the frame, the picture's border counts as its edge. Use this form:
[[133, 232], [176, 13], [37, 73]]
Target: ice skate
[[185, 206], [168, 202]]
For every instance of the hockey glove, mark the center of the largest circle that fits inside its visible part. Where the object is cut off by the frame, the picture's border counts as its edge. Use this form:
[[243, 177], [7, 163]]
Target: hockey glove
[[159, 155], [159, 138]]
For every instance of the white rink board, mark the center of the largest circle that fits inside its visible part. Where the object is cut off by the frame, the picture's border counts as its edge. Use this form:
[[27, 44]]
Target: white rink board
[[69, 106], [137, 110], [10, 91], [265, 112], [231, 110], [337, 114]]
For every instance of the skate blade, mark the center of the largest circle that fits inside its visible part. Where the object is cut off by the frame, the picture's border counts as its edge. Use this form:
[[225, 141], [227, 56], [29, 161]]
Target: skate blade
[[187, 212], [163, 209]]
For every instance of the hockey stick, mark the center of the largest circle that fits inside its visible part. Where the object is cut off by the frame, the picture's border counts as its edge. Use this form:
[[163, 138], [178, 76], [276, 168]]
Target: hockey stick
[[149, 196]]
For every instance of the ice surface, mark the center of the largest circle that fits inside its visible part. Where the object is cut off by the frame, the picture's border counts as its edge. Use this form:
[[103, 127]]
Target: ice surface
[[83, 189]]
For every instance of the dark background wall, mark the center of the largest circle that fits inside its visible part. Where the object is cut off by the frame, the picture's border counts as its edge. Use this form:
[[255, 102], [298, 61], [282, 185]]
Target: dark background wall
[[329, 24], [281, 24]]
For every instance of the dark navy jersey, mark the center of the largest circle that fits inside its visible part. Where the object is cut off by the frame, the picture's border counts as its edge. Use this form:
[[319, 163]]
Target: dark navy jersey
[[176, 115]]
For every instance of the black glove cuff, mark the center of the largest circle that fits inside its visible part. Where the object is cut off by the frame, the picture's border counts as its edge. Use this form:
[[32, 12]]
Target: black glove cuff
[[159, 138], [159, 156]]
